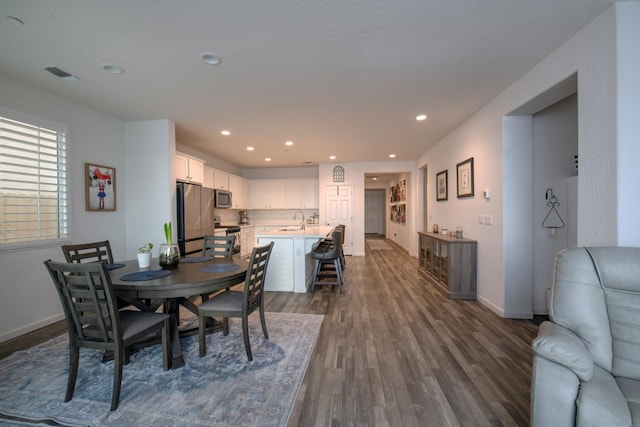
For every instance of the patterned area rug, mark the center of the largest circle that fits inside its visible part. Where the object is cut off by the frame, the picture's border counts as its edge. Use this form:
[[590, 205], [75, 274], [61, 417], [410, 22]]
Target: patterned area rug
[[222, 388], [378, 244]]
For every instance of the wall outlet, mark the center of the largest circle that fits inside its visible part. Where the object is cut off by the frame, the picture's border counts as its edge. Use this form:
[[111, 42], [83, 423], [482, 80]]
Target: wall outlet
[[488, 220], [480, 219]]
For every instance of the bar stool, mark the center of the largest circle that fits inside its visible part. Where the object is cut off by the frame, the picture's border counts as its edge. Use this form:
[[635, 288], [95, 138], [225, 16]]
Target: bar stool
[[340, 227], [328, 256]]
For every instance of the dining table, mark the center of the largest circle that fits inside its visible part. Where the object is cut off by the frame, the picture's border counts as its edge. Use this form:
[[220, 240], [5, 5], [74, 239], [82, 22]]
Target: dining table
[[150, 288]]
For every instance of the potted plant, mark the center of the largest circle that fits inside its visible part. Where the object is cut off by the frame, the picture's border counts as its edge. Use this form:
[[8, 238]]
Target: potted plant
[[169, 256], [144, 255]]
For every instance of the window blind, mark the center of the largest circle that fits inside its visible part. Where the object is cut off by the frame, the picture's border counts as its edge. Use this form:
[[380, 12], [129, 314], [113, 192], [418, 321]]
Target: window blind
[[33, 182]]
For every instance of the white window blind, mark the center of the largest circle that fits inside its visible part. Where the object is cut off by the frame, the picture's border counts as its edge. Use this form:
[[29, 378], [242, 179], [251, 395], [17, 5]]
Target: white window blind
[[33, 181]]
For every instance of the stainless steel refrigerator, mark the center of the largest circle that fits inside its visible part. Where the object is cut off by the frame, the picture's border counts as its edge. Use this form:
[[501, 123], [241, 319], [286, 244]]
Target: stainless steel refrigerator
[[195, 216]]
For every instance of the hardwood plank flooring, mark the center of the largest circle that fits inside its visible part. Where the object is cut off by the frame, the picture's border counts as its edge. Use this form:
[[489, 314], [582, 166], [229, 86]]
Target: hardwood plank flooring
[[394, 351]]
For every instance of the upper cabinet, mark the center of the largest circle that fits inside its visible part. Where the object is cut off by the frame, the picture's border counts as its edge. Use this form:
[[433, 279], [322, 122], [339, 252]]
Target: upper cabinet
[[267, 194], [220, 180], [189, 169], [208, 177], [239, 188], [301, 194], [283, 194]]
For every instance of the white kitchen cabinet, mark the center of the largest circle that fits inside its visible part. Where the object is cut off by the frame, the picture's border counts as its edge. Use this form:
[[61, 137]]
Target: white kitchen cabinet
[[239, 191], [310, 193], [220, 180], [267, 194], [189, 169], [301, 194], [208, 177]]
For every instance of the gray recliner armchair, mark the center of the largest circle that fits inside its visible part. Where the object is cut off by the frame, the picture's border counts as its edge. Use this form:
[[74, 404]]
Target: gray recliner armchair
[[586, 364]]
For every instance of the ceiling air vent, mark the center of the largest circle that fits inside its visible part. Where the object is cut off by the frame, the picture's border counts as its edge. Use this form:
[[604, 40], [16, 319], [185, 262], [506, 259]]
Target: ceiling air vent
[[62, 74]]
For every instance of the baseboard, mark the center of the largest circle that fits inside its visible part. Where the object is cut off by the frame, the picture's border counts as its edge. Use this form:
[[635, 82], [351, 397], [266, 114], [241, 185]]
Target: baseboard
[[31, 327], [500, 312]]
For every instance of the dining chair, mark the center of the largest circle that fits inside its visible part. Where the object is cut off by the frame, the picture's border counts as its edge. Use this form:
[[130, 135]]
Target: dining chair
[[88, 252], [218, 246], [94, 321], [237, 303]]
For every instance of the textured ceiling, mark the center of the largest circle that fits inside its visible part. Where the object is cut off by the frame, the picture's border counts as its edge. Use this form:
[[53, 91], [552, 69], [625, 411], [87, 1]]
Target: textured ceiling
[[343, 78]]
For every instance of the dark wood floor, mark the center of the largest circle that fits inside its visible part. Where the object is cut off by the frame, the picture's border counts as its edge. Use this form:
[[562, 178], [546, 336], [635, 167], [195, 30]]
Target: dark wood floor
[[394, 351]]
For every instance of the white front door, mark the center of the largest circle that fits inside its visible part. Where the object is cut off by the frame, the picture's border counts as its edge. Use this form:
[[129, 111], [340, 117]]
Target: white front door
[[340, 211]]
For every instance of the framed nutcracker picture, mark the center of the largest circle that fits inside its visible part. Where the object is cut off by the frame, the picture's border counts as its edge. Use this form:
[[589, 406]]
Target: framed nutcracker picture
[[100, 187]]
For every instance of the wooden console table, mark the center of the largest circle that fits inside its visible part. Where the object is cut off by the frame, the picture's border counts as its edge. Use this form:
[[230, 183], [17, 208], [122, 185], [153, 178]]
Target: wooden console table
[[450, 262]]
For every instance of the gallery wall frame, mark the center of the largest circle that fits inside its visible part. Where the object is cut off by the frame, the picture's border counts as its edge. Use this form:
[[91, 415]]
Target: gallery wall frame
[[442, 186], [100, 187], [464, 173]]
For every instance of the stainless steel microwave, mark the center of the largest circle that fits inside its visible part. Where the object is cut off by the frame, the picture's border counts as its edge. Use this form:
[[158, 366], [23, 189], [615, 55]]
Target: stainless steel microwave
[[222, 199]]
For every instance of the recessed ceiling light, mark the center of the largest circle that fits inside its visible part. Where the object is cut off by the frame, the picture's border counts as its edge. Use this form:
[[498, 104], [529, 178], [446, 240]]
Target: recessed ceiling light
[[421, 117], [112, 69], [332, 157], [225, 132], [211, 59], [375, 178], [267, 159], [250, 148], [289, 143], [393, 156]]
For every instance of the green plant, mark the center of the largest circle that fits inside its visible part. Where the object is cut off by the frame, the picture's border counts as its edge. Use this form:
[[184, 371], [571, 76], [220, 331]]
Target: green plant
[[146, 248], [168, 234]]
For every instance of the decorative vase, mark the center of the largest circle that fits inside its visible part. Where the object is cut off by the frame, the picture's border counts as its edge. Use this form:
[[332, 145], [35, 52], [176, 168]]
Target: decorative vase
[[144, 260], [169, 256]]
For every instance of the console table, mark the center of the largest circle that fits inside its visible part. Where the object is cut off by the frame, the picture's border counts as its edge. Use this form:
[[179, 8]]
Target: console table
[[450, 262]]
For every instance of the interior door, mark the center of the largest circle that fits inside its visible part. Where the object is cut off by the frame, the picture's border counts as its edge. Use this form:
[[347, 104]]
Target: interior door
[[339, 205], [374, 211]]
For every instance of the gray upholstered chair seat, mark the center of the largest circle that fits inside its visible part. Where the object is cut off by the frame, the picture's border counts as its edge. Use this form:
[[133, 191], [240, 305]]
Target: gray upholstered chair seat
[[586, 364], [227, 302]]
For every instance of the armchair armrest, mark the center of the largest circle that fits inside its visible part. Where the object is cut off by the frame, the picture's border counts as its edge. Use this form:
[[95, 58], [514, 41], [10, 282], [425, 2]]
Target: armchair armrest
[[560, 345]]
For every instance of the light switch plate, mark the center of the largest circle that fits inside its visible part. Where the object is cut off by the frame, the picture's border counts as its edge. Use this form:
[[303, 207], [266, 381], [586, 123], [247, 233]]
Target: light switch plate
[[488, 220], [480, 219]]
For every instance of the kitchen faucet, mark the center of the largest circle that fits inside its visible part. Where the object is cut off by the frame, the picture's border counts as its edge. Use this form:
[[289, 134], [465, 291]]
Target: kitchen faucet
[[296, 217]]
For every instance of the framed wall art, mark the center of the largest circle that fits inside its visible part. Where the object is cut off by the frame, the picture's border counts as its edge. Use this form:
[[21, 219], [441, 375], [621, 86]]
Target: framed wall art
[[465, 178], [100, 187], [442, 185]]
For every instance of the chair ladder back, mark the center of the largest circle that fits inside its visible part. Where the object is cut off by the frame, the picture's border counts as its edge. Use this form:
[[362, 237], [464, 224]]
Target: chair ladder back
[[86, 294], [218, 246], [256, 275], [88, 252]]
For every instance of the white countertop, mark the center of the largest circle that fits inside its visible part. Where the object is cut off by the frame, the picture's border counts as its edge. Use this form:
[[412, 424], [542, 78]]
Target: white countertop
[[318, 231]]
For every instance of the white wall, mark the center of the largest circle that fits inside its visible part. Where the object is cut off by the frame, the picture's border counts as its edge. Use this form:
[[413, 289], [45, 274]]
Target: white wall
[[501, 163], [151, 183], [628, 125], [27, 296], [555, 142]]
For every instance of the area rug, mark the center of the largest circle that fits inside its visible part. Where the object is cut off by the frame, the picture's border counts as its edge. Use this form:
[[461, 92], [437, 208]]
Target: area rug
[[378, 244], [220, 389]]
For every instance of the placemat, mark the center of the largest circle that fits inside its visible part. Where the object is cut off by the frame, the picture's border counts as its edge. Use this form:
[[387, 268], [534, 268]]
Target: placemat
[[114, 266], [145, 275], [196, 259], [220, 268]]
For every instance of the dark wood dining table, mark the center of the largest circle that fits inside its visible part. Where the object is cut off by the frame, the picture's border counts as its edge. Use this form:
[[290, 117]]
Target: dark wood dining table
[[180, 288]]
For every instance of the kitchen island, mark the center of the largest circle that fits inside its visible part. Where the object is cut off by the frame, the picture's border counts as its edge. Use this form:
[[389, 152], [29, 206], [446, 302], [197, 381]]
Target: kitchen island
[[291, 267]]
